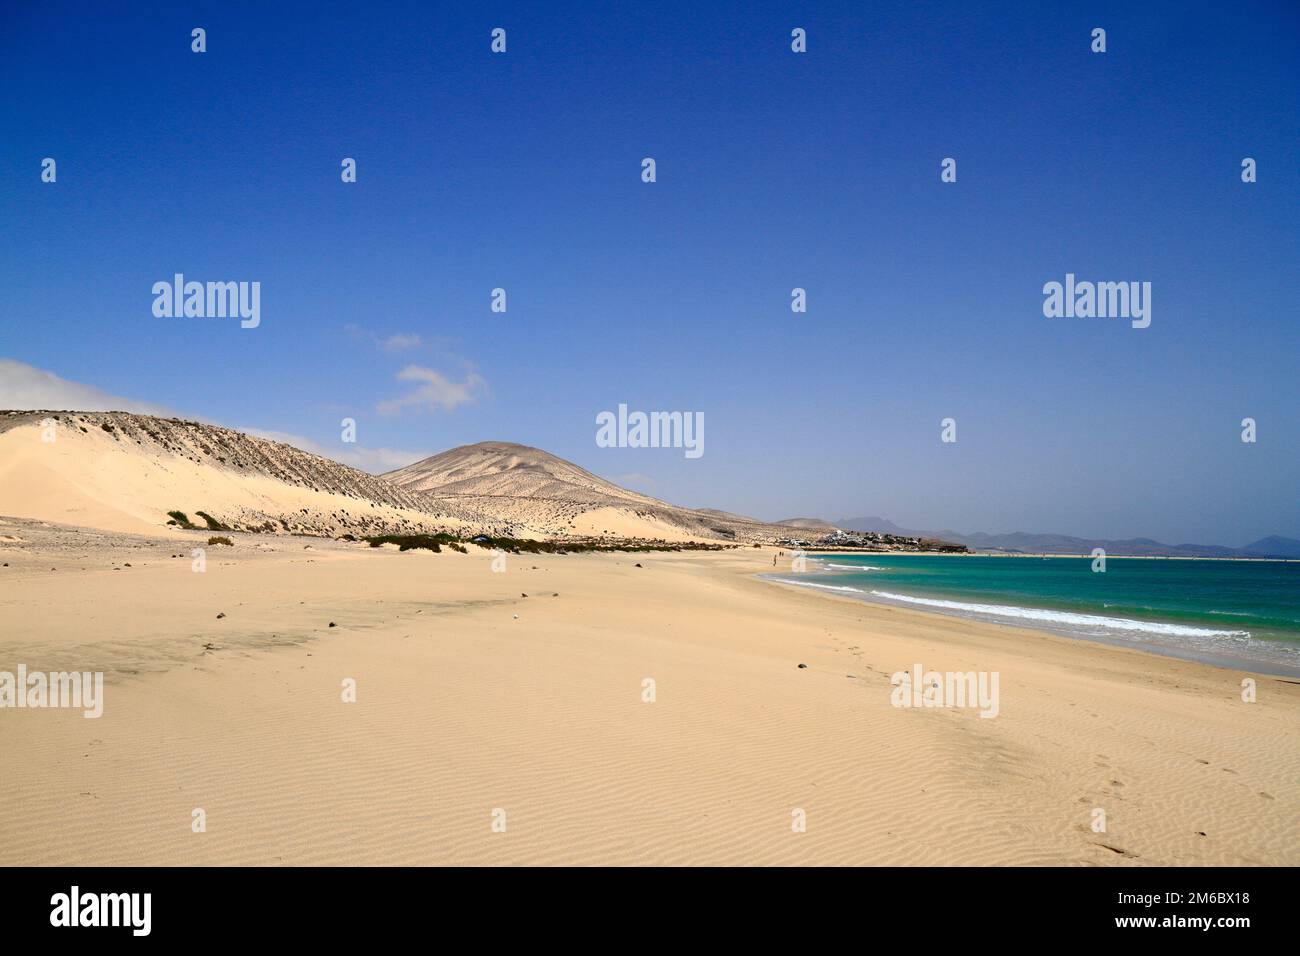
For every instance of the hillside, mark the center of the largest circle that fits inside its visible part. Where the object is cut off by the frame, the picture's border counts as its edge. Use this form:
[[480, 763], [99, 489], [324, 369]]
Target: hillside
[[118, 471], [519, 483], [810, 524], [497, 468], [123, 472]]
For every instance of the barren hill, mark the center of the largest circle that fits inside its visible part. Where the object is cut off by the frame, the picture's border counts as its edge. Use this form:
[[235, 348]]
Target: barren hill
[[120, 471], [813, 524], [504, 469], [126, 472], [519, 483]]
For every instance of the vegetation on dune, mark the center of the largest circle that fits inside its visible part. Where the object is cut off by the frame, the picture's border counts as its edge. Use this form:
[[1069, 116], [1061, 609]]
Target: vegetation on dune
[[434, 542], [181, 519], [531, 546], [213, 523], [218, 539], [408, 542]]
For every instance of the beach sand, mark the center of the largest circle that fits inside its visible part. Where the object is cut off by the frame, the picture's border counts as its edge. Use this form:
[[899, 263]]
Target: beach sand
[[464, 708]]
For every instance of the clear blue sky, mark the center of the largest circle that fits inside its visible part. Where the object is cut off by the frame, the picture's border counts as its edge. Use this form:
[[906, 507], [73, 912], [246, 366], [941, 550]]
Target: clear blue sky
[[775, 170]]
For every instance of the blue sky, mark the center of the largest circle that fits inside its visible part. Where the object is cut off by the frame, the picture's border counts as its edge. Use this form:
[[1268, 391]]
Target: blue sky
[[775, 170]]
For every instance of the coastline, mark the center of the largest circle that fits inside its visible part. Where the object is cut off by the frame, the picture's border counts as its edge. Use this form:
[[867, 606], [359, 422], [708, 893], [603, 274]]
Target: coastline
[[464, 707], [1042, 623], [1042, 554]]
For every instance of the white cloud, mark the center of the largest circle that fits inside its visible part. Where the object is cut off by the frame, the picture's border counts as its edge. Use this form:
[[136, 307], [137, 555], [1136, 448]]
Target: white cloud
[[24, 386], [401, 342], [397, 342], [434, 392]]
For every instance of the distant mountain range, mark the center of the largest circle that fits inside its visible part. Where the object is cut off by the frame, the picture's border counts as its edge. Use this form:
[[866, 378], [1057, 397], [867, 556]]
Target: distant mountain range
[[1274, 546]]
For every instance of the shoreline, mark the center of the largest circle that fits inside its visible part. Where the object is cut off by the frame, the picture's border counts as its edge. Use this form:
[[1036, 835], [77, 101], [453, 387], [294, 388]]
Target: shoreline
[[1037, 554], [1245, 665], [1166, 633], [472, 696]]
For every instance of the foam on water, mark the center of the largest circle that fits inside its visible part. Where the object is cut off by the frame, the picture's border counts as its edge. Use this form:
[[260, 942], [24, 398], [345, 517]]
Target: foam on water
[[1068, 618]]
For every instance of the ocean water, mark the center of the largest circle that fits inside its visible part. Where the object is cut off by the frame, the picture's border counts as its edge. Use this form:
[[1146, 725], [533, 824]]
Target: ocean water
[[1231, 613]]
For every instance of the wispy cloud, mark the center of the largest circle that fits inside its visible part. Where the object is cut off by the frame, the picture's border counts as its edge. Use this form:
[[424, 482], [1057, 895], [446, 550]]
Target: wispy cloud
[[24, 386], [434, 391], [402, 342], [397, 342]]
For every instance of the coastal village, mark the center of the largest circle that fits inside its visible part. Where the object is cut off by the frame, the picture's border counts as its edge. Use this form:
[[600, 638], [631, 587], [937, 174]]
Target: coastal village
[[839, 540]]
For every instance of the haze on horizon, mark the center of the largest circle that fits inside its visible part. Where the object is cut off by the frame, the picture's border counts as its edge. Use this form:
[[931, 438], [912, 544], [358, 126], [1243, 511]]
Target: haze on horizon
[[774, 171]]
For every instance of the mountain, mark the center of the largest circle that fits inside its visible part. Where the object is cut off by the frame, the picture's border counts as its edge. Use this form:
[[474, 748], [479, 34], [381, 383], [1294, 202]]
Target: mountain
[[1019, 541], [504, 469], [127, 472], [811, 524], [519, 483], [875, 524], [1275, 546], [124, 472], [727, 515]]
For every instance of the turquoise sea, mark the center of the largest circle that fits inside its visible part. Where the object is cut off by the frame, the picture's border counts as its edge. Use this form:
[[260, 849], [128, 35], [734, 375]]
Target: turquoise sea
[[1232, 613]]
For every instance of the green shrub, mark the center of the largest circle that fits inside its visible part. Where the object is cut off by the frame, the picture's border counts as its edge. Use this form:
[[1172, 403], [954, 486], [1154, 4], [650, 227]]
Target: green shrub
[[182, 519], [213, 523], [408, 542], [434, 542]]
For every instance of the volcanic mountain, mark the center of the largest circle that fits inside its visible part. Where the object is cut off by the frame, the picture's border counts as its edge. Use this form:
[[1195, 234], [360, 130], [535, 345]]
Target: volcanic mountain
[[518, 483], [504, 469], [123, 472]]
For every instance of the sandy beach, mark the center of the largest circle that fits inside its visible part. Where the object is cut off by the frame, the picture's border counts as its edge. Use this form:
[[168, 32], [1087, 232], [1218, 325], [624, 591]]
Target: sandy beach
[[472, 698]]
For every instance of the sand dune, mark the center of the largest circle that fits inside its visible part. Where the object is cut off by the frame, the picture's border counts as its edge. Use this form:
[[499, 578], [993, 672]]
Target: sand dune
[[473, 698], [522, 690], [125, 472]]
